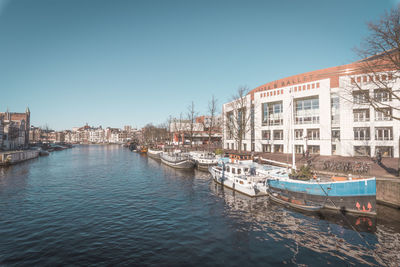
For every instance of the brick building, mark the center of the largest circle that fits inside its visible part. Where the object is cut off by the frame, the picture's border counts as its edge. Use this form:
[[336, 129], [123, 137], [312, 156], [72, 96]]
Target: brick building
[[15, 129]]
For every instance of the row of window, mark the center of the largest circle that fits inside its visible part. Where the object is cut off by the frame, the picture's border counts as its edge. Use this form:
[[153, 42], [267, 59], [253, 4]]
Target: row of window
[[371, 78], [381, 133], [380, 95], [308, 86], [386, 151], [295, 89], [312, 134], [312, 149], [385, 114], [306, 112], [272, 93], [360, 133]]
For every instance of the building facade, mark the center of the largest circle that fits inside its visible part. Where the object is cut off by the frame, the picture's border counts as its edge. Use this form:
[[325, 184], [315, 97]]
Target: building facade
[[180, 130], [323, 112], [15, 129]]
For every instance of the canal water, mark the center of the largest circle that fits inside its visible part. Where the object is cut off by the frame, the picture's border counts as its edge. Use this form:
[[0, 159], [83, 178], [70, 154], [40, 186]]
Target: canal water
[[104, 205]]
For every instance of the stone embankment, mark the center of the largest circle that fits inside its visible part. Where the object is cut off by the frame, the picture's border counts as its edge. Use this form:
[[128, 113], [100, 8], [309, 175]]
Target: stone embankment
[[388, 191], [14, 157]]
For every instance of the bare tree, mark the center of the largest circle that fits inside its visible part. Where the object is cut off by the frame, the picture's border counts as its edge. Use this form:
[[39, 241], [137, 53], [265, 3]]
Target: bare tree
[[211, 125], [162, 132], [152, 135], [191, 117], [238, 116], [148, 133], [380, 65], [169, 128]]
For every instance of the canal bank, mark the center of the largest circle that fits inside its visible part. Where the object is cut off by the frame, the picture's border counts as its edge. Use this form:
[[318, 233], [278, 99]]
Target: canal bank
[[14, 157], [388, 192], [387, 181]]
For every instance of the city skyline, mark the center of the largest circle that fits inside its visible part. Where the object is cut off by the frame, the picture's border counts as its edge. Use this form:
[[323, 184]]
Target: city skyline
[[133, 62]]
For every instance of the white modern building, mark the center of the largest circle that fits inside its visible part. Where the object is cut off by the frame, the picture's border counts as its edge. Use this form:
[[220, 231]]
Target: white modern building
[[325, 112]]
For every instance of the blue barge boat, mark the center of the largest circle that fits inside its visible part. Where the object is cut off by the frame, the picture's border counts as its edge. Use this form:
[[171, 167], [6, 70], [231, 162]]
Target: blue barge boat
[[355, 196]]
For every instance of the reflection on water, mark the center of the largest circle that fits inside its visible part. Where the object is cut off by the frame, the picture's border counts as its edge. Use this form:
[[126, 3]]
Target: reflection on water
[[378, 242], [104, 205]]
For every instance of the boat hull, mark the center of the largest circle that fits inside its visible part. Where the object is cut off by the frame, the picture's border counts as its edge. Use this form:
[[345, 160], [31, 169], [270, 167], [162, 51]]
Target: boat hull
[[352, 196], [204, 166], [153, 155], [186, 164], [252, 192]]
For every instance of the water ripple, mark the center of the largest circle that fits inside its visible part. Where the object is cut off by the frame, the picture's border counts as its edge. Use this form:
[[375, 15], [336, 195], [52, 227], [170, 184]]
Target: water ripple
[[104, 205]]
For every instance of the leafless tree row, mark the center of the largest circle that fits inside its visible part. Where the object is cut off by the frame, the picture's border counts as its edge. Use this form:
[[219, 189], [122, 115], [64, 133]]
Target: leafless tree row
[[186, 124]]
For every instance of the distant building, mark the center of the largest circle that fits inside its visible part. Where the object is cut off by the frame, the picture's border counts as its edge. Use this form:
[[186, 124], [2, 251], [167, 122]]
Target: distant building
[[127, 128], [1, 131], [15, 129], [180, 130], [35, 134]]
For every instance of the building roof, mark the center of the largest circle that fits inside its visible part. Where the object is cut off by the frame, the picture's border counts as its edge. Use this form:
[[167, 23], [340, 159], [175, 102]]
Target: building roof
[[15, 116], [332, 73]]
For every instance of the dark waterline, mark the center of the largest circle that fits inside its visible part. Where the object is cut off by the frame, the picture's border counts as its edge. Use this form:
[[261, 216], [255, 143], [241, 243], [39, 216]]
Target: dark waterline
[[104, 205]]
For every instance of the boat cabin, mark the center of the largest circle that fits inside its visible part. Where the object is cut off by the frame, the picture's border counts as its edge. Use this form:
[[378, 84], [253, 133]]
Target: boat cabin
[[240, 170], [235, 158]]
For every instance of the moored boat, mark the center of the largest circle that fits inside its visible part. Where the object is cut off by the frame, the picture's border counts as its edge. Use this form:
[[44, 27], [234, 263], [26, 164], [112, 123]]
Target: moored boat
[[177, 160], [243, 178], [43, 153], [153, 153], [355, 196], [203, 160], [143, 150]]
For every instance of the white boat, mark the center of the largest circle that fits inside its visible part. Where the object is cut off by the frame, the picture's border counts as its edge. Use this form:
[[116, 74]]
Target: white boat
[[155, 154], [177, 160], [241, 177], [203, 160]]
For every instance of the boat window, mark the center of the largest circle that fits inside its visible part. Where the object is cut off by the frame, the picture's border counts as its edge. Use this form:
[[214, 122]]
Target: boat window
[[239, 171], [227, 168], [233, 170], [246, 169]]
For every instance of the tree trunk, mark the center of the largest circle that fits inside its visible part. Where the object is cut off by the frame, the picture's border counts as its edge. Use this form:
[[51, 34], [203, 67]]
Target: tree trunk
[[398, 169]]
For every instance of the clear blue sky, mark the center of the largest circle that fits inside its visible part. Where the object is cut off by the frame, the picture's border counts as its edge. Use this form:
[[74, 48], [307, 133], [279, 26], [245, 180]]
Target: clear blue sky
[[115, 63]]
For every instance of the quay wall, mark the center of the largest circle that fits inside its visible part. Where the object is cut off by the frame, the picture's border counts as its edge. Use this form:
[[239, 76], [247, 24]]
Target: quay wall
[[13, 157], [388, 192]]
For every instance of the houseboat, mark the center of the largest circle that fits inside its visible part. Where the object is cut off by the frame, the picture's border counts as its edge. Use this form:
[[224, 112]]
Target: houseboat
[[177, 160], [240, 174], [354, 196], [203, 160], [153, 153]]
